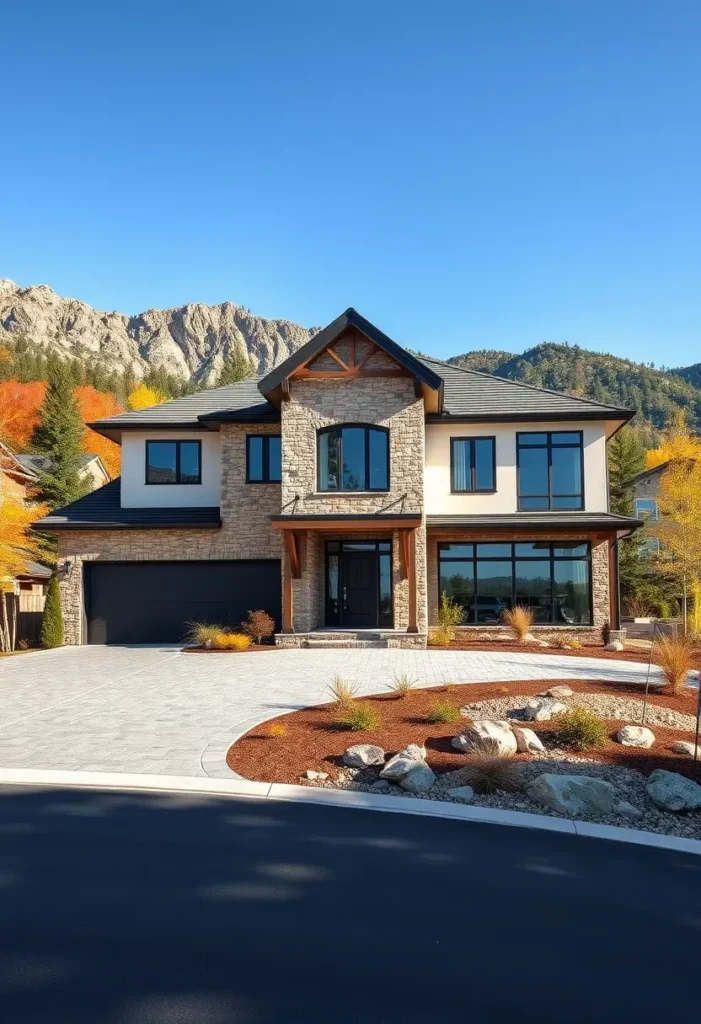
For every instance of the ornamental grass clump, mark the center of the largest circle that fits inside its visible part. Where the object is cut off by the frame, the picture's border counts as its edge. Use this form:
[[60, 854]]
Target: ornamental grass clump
[[580, 730], [276, 730], [488, 771], [203, 634], [450, 615], [358, 718], [675, 656], [342, 692], [442, 712], [519, 620], [401, 684], [231, 642]]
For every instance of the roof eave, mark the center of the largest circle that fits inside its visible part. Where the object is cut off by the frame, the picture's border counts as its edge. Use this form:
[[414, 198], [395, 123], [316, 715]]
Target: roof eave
[[532, 417]]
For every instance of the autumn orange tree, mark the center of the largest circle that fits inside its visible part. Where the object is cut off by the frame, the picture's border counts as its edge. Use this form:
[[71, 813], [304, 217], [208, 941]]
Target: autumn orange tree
[[98, 405], [679, 528], [17, 545], [19, 410]]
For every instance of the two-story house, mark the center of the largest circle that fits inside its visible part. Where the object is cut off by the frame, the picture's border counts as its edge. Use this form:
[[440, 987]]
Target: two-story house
[[345, 491]]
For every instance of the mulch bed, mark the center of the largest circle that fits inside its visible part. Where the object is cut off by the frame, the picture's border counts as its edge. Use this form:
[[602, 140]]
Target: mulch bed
[[211, 650], [312, 741], [585, 651]]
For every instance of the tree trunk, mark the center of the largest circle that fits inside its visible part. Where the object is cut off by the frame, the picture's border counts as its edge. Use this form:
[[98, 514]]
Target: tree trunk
[[5, 636]]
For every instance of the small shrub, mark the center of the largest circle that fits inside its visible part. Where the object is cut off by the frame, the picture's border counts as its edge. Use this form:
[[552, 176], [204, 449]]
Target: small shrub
[[342, 692], [606, 633], [358, 718], [639, 607], [23, 645], [259, 625], [401, 684], [581, 730], [448, 687], [52, 621], [488, 771], [231, 642], [576, 645], [674, 655], [450, 615], [441, 635], [560, 643], [277, 729], [519, 620], [203, 633], [442, 712]]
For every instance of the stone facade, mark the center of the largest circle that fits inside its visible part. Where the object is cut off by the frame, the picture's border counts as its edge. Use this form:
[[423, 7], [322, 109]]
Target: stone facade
[[599, 573], [245, 533], [384, 401]]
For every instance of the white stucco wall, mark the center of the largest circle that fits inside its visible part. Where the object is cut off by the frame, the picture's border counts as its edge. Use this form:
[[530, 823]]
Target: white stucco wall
[[439, 500], [136, 493]]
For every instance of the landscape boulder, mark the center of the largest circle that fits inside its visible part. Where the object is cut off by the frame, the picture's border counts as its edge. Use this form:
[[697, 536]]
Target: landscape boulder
[[489, 735], [527, 742], [627, 810], [542, 709], [572, 794], [461, 793], [682, 747], [672, 792], [403, 762], [635, 736], [363, 754], [419, 778], [558, 692], [316, 776], [614, 645]]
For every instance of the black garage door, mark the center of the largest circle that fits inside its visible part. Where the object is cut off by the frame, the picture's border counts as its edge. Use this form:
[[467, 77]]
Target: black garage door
[[152, 602]]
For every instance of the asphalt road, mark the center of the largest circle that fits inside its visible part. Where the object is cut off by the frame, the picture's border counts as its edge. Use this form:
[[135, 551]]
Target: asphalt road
[[152, 909]]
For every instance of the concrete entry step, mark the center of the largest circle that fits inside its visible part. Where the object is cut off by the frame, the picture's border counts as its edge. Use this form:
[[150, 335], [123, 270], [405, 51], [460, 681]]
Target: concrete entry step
[[346, 634], [319, 644]]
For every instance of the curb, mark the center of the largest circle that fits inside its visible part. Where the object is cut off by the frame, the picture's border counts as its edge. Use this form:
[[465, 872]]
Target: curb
[[340, 798]]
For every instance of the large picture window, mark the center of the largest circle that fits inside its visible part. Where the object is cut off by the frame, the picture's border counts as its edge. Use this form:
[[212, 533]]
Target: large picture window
[[553, 578], [173, 462], [353, 458], [472, 464], [550, 470], [263, 458]]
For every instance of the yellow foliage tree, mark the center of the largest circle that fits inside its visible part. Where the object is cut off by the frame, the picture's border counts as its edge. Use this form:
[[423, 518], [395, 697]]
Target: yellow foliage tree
[[679, 526], [678, 443], [142, 397], [17, 545]]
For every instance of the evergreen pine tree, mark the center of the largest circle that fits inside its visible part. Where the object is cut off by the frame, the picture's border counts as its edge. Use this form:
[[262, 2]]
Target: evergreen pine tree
[[52, 621], [237, 367], [626, 455], [59, 436]]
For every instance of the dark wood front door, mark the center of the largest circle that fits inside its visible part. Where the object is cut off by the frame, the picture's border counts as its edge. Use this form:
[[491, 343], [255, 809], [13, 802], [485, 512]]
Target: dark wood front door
[[360, 595]]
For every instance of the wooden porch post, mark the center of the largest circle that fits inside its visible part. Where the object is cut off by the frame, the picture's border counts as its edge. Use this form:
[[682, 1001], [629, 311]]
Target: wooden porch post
[[411, 580], [287, 595]]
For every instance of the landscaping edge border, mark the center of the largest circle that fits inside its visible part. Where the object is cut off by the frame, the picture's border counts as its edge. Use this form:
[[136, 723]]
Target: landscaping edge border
[[340, 798]]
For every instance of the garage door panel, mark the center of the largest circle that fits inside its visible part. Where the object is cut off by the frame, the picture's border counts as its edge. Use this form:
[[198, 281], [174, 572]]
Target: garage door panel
[[153, 602]]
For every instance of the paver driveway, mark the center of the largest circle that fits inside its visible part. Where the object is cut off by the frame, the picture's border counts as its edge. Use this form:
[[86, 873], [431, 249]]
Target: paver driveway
[[154, 710]]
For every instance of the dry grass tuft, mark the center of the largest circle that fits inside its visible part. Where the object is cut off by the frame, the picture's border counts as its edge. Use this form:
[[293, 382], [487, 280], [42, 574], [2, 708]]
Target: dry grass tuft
[[231, 642], [488, 771], [675, 656], [519, 620], [342, 692], [277, 729], [442, 712], [581, 730], [358, 718], [401, 684], [203, 633]]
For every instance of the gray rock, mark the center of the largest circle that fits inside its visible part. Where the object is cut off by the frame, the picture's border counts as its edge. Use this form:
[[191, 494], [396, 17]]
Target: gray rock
[[614, 645], [402, 763], [363, 754], [559, 692], [572, 794], [527, 742], [415, 750], [380, 786], [419, 779], [542, 709], [627, 810], [682, 747], [485, 734], [635, 736], [466, 793], [672, 792], [316, 776]]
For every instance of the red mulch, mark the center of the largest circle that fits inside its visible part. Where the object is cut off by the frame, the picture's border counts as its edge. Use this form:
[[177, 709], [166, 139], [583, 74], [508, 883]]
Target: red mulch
[[311, 741], [585, 651]]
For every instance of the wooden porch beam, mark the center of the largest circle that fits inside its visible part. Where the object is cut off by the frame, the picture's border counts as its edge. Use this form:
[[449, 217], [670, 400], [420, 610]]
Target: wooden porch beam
[[353, 373], [386, 524]]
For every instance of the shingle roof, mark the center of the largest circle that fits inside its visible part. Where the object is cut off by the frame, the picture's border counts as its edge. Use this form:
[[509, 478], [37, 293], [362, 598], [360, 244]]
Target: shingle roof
[[42, 463], [482, 396], [101, 510], [537, 521]]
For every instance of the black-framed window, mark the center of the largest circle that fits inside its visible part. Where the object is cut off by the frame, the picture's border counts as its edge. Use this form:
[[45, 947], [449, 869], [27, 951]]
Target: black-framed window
[[263, 458], [550, 470], [173, 462], [473, 465], [353, 458], [553, 578]]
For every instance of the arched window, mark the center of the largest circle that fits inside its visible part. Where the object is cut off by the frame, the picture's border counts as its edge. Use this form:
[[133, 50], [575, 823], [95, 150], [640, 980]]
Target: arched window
[[353, 457]]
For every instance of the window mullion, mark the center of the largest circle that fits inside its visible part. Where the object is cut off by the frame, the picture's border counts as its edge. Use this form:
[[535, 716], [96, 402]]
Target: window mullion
[[366, 447], [177, 462]]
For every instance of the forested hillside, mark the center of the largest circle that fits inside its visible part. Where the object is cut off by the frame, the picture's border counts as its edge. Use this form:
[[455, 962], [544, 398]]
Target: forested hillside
[[655, 394]]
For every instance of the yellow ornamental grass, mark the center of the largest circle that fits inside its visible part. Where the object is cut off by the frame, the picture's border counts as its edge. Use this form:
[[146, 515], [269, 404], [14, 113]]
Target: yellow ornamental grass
[[231, 642]]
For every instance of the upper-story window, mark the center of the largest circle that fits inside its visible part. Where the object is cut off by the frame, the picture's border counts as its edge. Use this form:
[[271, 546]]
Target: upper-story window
[[646, 508], [263, 459], [173, 462], [353, 458], [550, 470], [472, 464]]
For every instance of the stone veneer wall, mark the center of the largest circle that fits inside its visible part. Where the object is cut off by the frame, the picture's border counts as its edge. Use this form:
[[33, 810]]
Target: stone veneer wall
[[385, 401], [245, 533], [599, 572]]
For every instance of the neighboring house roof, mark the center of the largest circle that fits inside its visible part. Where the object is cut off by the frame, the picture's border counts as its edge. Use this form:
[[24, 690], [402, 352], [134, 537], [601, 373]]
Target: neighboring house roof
[[35, 569], [42, 463], [14, 465], [649, 472], [537, 521], [101, 510], [471, 394], [419, 368]]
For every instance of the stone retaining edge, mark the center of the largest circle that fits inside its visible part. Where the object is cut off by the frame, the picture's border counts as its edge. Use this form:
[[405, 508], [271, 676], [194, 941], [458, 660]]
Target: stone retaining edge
[[340, 798]]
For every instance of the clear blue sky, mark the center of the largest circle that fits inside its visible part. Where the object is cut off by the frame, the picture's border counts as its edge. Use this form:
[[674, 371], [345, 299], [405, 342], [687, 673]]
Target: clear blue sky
[[469, 174]]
